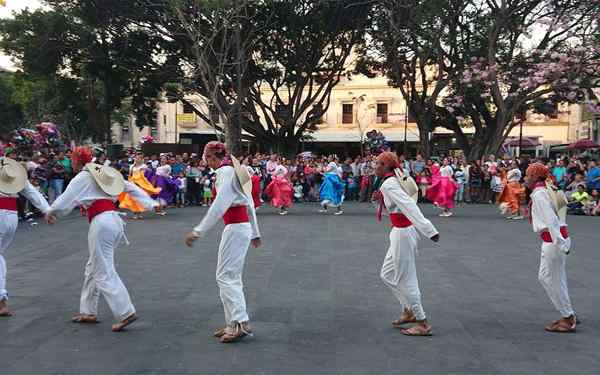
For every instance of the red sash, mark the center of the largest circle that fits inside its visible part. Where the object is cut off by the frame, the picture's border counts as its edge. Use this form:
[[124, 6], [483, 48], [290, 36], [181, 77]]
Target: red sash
[[400, 221], [564, 231], [9, 204], [98, 207], [236, 215]]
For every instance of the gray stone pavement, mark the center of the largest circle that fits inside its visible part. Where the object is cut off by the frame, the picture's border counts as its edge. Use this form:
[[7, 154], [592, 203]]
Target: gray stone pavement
[[314, 294]]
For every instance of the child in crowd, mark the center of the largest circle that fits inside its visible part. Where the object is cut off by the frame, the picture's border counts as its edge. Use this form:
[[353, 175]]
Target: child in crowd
[[181, 191], [207, 190], [298, 192], [353, 187], [592, 207], [459, 177]]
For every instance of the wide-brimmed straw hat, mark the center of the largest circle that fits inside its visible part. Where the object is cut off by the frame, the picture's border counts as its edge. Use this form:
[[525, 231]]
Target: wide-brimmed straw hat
[[408, 184], [13, 176], [242, 175], [109, 179]]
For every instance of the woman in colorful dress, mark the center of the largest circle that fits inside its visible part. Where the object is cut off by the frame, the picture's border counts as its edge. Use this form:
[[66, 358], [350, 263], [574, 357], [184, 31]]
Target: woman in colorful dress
[[168, 186], [443, 188], [280, 190], [332, 190], [138, 177]]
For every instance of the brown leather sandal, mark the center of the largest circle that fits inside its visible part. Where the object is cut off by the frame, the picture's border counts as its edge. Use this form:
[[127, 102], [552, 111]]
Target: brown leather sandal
[[418, 330], [235, 333], [564, 325], [124, 323], [85, 319], [219, 332], [406, 317], [4, 310]]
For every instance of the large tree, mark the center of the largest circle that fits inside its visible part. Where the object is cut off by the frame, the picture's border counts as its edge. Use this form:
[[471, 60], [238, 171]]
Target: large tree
[[94, 44], [410, 43], [299, 60], [529, 55], [484, 64], [267, 66]]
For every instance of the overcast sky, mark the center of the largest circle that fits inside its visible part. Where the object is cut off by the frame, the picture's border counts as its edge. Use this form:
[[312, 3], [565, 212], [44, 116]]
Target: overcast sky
[[5, 12]]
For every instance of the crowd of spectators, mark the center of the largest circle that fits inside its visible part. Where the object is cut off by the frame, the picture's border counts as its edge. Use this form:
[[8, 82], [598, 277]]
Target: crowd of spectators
[[478, 181]]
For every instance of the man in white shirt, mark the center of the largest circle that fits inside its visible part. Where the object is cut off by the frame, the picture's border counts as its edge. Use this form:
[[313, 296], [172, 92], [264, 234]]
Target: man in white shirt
[[13, 181], [236, 208], [556, 244], [399, 271], [96, 188]]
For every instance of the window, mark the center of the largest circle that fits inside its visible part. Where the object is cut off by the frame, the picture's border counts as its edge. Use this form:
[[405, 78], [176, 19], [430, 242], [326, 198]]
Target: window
[[382, 113], [188, 108], [282, 111], [411, 117], [164, 119], [553, 111], [347, 114], [213, 113]]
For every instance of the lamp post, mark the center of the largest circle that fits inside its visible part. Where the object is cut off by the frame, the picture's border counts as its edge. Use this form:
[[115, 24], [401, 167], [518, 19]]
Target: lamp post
[[405, 129]]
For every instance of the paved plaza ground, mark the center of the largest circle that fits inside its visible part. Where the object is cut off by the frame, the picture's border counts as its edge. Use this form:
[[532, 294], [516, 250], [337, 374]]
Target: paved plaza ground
[[315, 298]]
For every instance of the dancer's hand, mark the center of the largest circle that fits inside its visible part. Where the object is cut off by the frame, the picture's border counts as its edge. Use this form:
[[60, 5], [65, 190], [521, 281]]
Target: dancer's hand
[[256, 243], [436, 238], [50, 219], [190, 238]]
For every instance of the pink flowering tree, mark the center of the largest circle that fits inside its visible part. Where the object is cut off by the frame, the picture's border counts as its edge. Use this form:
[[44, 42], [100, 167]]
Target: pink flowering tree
[[484, 64], [531, 55]]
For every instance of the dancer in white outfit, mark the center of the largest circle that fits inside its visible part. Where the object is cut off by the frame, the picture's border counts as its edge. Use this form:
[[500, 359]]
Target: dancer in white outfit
[[556, 244], [399, 271], [13, 181], [235, 206], [96, 188]]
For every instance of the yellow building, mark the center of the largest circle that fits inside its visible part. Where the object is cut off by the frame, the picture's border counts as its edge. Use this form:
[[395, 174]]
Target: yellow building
[[358, 105]]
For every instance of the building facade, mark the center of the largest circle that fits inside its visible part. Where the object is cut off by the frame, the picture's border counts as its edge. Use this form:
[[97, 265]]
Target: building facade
[[358, 104]]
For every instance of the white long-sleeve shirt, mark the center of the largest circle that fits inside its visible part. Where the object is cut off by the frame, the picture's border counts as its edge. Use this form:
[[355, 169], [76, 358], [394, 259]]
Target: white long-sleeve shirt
[[83, 191], [543, 216], [397, 201], [229, 194], [446, 171], [33, 195]]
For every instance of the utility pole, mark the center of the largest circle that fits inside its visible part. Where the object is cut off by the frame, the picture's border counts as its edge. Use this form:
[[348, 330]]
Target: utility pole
[[405, 129]]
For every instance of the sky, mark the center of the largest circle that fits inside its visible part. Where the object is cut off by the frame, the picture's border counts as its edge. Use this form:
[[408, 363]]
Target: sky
[[6, 12]]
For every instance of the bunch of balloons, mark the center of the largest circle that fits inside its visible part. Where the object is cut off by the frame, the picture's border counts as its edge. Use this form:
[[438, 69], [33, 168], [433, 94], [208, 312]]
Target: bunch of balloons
[[45, 135], [147, 139], [376, 142]]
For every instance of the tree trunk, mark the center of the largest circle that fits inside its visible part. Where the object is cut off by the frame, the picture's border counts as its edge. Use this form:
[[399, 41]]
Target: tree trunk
[[424, 124], [233, 137], [289, 147]]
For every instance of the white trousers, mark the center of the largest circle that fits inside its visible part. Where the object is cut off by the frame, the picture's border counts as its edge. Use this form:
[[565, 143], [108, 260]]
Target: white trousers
[[553, 277], [230, 266], [8, 226], [101, 278], [399, 271]]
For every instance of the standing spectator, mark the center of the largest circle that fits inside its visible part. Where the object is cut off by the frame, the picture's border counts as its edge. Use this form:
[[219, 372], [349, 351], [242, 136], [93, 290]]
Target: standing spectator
[[459, 177], [193, 178], [560, 174], [593, 175], [476, 181], [57, 177]]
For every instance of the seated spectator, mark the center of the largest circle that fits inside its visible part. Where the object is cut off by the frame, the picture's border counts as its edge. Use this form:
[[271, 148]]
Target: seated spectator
[[592, 208], [578, 200]]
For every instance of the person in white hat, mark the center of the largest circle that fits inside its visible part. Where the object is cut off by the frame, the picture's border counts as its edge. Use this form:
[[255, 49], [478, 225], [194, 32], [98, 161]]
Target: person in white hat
[[233, 204], [399, 271], [548, 218], [96, 188], [13, 181]]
